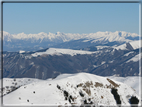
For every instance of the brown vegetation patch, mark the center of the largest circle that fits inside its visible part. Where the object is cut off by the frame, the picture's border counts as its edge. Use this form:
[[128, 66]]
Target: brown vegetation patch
[[98, 84], [87, 91], [113, 83], [80, 85], [88, 84], [109, 86]]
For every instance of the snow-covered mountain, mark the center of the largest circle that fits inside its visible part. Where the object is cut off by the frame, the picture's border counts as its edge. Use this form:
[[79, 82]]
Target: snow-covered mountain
[[120, 60], [130, 45], [110, 36], [59, 51], [101, 53], [133, 81], [69, 90], [15, 42]]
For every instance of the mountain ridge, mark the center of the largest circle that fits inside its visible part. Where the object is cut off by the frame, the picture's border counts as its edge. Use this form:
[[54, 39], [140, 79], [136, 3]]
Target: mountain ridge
[[71, 90], [54, 35], [42, 40], [104, 61]]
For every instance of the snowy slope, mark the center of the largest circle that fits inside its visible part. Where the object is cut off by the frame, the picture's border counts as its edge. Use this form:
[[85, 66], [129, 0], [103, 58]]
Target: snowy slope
[[121, 47], [21, 51], [10, 84], [70, 89], [134, 45], [127, 54], [110, 36], [58, 51], [133, 81], [135, 58]]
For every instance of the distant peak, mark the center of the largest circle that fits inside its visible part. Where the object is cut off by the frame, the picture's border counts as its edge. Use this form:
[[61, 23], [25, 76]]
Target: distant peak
[[119, 33], [49, 33], [5, 33], [22, 33], [58, 33], [42, 33]]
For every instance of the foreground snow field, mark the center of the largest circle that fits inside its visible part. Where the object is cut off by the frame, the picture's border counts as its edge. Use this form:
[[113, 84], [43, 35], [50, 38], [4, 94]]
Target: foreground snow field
[[70, 89]]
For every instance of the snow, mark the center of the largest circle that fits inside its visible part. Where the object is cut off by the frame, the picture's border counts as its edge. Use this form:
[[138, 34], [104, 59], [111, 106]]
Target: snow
[[135, 58], [101, 47], [32, 63], [95, 66], [85, 40], [127, 54], [136, 44], [98, 36], [121, 47], [59, 51], [46, 93], [111, 61], [103, 62], [133, 81], [16, 83], [21, 51]]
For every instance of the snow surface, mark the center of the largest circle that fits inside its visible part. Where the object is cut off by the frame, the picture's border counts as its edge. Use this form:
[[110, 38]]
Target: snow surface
[[16, 83], [101, 47], [135, 58], [133, 81], [45, 92], [98, 36], [134, 44], [59, 51], [121, 47], [21, 51], [127, 54]]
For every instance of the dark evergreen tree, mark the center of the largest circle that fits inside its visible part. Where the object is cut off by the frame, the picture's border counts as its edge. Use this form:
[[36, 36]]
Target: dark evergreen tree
[[134, 100], [116, 95]]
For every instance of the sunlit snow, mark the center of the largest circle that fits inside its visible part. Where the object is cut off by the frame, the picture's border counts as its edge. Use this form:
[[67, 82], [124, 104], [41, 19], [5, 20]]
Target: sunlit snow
[[135, 58], [59, 51], [46, 93]]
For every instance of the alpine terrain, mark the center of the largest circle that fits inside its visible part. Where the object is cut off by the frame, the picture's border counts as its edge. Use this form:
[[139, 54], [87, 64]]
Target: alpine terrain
[[69, 90], [122, 60], [65, 69], [34, 42]]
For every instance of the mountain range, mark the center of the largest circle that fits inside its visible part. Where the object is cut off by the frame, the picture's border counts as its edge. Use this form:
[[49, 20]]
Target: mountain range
[[34, 42], [122, 60], [73, 69]]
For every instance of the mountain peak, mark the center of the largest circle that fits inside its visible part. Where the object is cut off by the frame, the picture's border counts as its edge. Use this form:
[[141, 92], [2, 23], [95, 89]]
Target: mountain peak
[[52, 39], [58, 33], [42, 33], [130, 45], [71, 90]]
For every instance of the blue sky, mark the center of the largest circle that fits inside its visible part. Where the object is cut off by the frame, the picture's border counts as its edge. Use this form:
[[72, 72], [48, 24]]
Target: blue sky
[[70, 17]]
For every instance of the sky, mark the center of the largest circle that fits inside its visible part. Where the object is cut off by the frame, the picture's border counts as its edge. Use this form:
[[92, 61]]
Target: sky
[[70, 17]]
